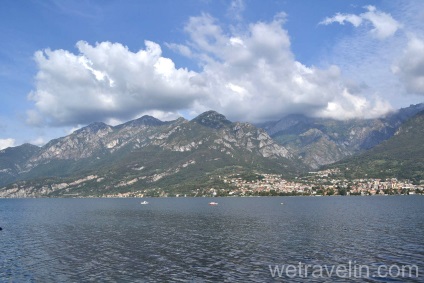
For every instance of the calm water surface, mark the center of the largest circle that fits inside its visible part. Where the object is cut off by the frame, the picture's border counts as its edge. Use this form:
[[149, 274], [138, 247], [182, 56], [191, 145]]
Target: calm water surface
[[185, 240]]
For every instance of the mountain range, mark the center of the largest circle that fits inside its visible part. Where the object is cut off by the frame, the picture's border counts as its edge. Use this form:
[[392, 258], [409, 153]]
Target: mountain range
[[321, 141], [145, 153], [181, 156]]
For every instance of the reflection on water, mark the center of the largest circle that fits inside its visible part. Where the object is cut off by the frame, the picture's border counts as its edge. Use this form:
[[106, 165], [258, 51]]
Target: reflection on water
[[184, 239]]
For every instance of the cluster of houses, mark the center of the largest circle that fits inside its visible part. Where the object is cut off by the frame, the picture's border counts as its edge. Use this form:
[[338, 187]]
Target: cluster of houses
[[321, 183], [318, 184]]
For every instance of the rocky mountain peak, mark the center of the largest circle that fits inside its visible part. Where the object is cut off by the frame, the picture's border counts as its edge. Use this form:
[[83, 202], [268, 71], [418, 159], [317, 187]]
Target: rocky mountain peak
[[212, 119], [145, 120], [93, 128]]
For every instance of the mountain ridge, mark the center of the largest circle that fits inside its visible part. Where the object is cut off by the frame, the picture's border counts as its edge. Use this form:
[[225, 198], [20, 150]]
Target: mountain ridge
[[155, 153], [322, 141], [401, 156], [182, 155]]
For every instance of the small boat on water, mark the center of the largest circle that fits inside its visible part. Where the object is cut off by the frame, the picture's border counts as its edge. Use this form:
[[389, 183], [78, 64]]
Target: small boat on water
[[213, 203], [144, 202]]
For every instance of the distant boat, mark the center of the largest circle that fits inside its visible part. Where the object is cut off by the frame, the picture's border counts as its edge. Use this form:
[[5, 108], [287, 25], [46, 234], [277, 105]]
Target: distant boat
[[144, 202], [282, 203], [213, 203]]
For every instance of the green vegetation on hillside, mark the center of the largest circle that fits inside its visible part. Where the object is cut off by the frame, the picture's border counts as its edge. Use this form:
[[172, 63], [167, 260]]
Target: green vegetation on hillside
[[401, 157]]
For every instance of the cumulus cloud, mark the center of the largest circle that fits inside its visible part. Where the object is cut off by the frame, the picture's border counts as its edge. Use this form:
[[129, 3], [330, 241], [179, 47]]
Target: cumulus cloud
[[254, 76], [5, 143], [383, 24], [106, 81], [250, 75], [410, 67]]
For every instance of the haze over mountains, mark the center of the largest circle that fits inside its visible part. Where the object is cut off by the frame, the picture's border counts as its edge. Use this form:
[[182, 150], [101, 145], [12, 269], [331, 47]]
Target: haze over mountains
[[183, 155]]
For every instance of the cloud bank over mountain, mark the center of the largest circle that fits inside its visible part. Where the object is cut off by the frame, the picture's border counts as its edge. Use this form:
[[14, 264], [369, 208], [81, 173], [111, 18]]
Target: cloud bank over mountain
[[247, 74], [5, 143]]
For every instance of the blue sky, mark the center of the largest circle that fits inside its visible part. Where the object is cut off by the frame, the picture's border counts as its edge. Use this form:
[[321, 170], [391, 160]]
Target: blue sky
[[65, 64]]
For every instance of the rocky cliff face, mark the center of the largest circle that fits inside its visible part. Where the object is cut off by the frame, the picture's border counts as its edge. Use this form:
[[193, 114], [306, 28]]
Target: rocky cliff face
[[82, 143]]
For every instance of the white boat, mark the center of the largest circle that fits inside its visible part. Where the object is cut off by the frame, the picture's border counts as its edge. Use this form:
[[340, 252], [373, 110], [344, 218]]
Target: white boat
[[213, 203], [144, 202]]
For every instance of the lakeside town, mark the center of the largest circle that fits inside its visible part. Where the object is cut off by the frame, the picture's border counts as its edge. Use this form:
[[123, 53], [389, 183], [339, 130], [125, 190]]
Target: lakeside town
[[320, 183], [328, 182]]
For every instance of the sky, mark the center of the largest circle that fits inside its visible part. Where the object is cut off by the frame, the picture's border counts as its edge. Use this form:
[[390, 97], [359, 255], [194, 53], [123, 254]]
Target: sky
[[66, 64]]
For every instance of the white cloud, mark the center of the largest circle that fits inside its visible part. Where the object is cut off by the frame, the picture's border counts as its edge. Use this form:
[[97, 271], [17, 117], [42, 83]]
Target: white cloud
[[342, 18], [247, 75], [410, 67], [5, 143], [40, 141], [106, 81], [254, 76], [383, 65], [384, 25], [179, 48]]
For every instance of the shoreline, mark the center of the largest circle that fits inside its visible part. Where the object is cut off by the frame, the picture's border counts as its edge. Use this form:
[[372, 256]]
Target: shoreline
[[198, 197]]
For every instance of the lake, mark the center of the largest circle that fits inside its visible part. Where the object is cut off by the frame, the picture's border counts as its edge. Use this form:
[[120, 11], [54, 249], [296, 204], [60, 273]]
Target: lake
[[186, 240]]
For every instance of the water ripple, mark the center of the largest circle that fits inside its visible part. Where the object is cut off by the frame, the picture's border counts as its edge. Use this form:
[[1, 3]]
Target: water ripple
[[185, 240]]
